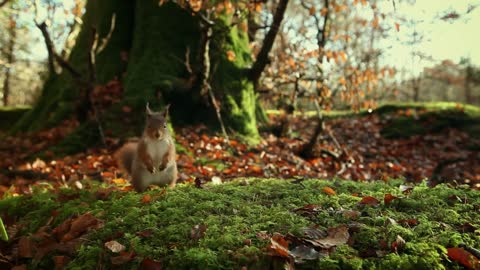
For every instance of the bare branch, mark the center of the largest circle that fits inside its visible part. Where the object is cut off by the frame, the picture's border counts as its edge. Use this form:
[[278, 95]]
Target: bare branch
[[262, 57], [91, 56], [187, 61], [106, 39], [52, 54], [49, 44], [3, 3]]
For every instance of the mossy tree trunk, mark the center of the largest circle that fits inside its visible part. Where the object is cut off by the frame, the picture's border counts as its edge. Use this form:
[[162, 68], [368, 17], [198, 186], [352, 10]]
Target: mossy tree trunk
[[147, 51]]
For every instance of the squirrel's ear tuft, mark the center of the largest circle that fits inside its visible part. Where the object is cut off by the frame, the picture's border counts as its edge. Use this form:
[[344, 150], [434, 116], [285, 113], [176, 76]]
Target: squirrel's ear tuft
[[165, 111], [149, 112]]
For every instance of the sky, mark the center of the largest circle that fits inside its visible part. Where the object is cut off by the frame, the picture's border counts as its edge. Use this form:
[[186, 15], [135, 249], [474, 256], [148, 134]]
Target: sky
[[451, 39]]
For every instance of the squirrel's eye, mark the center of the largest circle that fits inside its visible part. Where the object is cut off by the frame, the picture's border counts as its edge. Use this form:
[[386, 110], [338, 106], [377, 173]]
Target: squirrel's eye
[[165, 126]]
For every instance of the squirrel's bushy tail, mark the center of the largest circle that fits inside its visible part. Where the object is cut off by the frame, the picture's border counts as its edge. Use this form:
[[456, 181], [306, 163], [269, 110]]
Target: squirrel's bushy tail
[[125, 155]]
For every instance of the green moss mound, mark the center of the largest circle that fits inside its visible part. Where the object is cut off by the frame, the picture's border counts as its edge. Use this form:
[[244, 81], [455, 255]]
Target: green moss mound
[[234, 213], [10, 115], [422, 120]]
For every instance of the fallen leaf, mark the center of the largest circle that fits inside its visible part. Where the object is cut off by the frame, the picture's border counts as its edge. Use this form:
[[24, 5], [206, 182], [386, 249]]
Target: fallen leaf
[[463, 257], [329, 191], [351, 214], [369, 200], [80, 225], [126, 109], [231, 56], [398, 244], [314, 233], [389, 198], [304, 253], [119, 181], [408, 222], [60, 261], [263, 235], [198, 231], [123, 258], [103, 193], [405, 189], [336, 236], [146, 198], [308, 209], [278, 246], [114, 246], [149, 264], [145, 233], [216, 180], [25, 247]]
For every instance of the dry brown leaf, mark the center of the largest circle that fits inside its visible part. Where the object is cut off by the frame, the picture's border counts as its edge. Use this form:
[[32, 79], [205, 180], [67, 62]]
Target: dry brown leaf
[[369, 200], [25, 247], [336, 236], [198, 231], [114, 246], [149, 264], [278, 246]]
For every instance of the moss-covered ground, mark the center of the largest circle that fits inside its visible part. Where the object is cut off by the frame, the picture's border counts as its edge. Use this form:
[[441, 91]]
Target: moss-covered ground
[[10, 116], [235, 217], [405, 119]]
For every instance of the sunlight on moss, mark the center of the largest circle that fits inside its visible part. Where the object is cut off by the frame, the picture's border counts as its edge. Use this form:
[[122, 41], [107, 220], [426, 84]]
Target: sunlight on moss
[[233, 213]]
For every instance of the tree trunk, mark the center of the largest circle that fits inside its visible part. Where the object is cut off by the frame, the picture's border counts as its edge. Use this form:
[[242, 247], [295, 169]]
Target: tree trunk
[[148, 52]]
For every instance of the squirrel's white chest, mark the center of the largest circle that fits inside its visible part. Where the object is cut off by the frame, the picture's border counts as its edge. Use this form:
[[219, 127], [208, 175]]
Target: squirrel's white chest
[[157, 149]]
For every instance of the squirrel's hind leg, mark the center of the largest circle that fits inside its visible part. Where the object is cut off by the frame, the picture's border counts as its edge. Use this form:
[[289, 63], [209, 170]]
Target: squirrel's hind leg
[[140, 180]]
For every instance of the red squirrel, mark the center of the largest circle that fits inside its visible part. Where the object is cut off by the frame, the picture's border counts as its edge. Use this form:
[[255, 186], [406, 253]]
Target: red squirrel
[[151, 160]]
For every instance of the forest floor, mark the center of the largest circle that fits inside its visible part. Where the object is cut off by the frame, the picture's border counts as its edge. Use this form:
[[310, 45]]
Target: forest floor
[[83, 198]]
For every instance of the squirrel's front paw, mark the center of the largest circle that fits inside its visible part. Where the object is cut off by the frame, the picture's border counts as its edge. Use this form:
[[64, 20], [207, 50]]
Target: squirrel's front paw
[[152, 169]]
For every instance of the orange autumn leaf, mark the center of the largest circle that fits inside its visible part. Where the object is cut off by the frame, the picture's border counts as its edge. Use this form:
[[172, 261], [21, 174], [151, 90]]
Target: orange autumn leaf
[[329, 191], [463, 257], [119, 181], [231, 56], [146, 198], [389, 198], [126, 109], [375, 23], [291, 62], [369, 200], [311, 11], [343, 55], [397, 26], [324, 11], [278, 246]]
